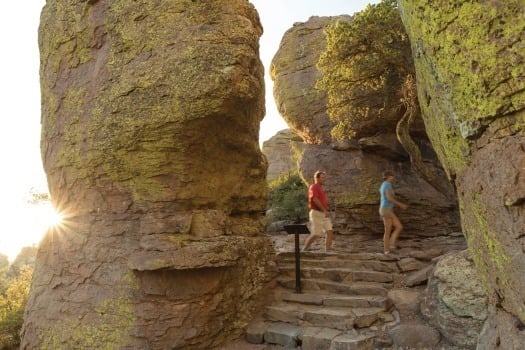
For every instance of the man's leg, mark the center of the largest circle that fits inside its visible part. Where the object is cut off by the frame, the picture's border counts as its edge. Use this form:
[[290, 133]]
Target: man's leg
[[311, 238], [314, 234], [328, 239]]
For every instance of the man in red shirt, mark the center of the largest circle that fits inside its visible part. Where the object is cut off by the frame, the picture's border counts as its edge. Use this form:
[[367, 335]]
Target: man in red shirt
[[319, 215]]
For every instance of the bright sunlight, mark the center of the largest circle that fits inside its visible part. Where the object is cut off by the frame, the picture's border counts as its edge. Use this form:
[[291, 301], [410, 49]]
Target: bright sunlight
[[50, 217], [25, 226]]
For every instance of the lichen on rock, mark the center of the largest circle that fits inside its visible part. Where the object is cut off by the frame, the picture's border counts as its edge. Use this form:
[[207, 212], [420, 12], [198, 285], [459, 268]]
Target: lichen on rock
[[150, 121], [470, 63]]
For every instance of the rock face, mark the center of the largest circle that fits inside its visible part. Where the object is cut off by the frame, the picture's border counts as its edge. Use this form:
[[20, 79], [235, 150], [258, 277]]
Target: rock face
[[150, 119], [456, 301], [280, 153], [294, 73], [470, 62], [353, 180], [501, 331], [354, 167]]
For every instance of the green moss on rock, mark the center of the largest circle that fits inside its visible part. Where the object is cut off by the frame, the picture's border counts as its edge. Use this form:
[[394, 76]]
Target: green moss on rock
[[109, 327], [462, 52]]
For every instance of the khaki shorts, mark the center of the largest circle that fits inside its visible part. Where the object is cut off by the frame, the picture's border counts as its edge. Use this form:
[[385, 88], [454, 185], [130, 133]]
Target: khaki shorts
[[319, 223], [386, 212]]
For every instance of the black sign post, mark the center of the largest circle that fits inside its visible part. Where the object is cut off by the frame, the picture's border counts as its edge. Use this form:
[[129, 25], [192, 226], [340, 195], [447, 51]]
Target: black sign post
[[297, 229]]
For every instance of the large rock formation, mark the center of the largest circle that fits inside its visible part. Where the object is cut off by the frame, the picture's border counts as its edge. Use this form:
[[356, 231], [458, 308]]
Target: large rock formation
[[150, 119], [470, 62], [354, 167], [353, 183], [281, 151], [295, 74]]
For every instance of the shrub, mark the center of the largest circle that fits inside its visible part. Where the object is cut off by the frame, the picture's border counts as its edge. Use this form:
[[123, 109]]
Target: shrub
[[12, 304], [288, 198]]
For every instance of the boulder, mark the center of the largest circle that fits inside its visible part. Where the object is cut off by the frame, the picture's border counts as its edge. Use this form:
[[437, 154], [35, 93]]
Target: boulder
[[281, 152], [294, 73], [470, 66], [414, 336], [150, 120], [354, 166], [501, 331], [405, 301], [455, 300]]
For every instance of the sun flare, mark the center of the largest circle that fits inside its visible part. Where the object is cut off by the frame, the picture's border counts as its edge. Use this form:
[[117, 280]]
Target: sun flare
[[51, 217]]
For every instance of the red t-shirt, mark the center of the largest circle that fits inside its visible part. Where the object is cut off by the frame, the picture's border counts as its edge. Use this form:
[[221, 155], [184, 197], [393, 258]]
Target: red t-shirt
[[316, 191]]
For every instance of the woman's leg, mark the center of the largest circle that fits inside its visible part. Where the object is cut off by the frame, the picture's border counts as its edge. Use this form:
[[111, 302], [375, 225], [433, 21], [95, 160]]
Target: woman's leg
[[387, 221], [398, 227]]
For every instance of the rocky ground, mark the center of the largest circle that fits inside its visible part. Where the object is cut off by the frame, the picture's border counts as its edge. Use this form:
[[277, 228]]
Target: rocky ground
[[398, 293]]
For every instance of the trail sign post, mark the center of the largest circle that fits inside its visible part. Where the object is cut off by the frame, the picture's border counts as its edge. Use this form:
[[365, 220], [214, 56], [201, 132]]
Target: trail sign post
[[297, 229]]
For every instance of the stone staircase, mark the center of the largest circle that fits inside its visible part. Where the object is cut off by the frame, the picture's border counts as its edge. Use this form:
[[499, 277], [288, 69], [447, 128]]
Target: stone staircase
[[349, 296], [343, 303]]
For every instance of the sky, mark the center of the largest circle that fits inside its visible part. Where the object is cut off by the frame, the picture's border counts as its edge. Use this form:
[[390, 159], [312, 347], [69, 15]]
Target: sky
[[21, 165]]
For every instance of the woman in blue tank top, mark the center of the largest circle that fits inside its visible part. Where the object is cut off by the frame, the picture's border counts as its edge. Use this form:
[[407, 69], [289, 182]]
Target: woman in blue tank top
[[386, 211]]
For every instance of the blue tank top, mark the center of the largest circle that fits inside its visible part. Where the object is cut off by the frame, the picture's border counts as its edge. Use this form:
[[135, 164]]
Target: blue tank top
[[382, 191]]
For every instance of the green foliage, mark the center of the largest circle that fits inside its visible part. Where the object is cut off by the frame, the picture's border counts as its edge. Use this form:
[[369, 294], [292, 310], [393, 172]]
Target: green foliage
[[26, 257], [364, 66], [288, 198], [13, 298]]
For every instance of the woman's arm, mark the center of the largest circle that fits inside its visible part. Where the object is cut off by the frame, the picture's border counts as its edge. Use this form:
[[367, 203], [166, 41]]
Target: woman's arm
[[392, 199]]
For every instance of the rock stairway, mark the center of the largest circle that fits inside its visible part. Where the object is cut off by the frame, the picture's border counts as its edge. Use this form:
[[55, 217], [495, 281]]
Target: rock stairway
[[342, 305], [344, 302]]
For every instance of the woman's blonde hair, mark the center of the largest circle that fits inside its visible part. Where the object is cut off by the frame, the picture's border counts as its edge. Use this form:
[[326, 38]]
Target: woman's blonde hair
[[387, 173]]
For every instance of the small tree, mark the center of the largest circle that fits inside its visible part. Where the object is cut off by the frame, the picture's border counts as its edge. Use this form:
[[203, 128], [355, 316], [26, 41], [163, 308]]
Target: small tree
[[364, 66], [12, 304], [368, 73], [288, 198]]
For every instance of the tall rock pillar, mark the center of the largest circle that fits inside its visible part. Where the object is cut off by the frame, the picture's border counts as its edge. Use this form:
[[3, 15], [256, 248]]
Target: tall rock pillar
[[150, 121], [470, 62]]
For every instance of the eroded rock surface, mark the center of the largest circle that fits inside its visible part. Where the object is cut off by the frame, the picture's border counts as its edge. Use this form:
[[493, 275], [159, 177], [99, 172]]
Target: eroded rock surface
[[150, 123], [455, 300], [470, 63], [354, 166], [281, 151], [295, 74], [353, 183]]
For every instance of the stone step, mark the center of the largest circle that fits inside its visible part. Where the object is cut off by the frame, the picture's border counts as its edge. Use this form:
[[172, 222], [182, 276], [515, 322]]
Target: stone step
[[283, 334], [339, 274], [356, 265], [348, 288], [309, 337], [353, 342], [335, 254], [337, 300], [342, 318]]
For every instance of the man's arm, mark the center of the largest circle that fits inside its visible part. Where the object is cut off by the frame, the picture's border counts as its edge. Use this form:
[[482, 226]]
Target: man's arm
[[320, 206]]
